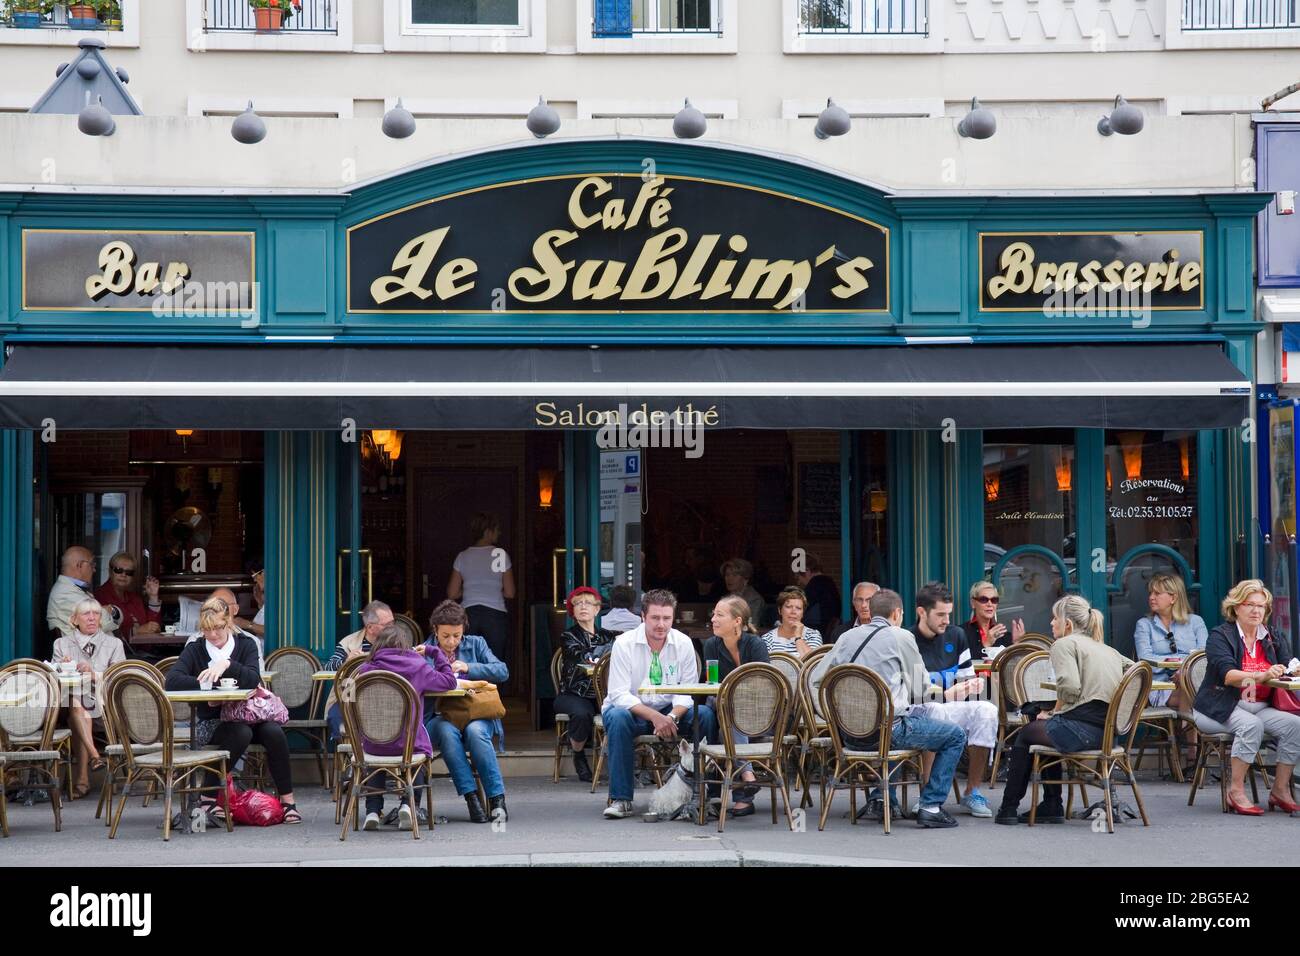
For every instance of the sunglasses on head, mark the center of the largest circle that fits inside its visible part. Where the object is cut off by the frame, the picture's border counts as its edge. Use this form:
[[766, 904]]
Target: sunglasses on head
[[129, 572], [987, 599]]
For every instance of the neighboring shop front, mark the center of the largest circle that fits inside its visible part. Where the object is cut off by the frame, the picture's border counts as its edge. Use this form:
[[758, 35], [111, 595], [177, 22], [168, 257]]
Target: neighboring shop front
[[893, 382]]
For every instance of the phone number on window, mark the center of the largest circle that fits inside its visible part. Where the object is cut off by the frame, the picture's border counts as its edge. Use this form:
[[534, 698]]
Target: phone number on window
[[1153, 511]]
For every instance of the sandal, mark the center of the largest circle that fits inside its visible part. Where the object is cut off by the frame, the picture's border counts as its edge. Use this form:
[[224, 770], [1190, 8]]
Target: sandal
[[213, 808], [80, 790], [99, 763], [291, 814]]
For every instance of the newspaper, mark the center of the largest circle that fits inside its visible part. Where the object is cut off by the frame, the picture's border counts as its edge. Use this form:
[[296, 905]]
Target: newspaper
[[189, 620]]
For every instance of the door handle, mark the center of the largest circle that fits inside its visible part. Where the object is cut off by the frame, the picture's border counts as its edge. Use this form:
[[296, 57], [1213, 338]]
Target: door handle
[[368, 557], [424, 586]]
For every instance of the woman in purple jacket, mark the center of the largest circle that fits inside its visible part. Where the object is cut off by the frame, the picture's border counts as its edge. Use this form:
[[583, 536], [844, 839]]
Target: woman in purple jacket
[[391, 651]]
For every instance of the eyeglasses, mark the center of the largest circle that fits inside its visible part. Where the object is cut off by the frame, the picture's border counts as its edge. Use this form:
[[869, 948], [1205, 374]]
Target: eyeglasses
[[1255, 607], [578, 604], [986, 599], [129, 572]]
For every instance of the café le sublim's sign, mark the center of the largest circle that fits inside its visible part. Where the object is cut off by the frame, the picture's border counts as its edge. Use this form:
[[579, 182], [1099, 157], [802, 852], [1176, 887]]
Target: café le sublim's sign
[[110, 270], [1040, 271], [614, 243]]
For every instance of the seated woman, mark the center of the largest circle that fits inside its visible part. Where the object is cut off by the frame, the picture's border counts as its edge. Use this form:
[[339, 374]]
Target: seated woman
[[791, 636], [736, 575], [471, 659], [731, 645], [224, 653], [583, 643], [93, 651], [1235, 698], [1170, 630], [428, 673], [1088, 673]]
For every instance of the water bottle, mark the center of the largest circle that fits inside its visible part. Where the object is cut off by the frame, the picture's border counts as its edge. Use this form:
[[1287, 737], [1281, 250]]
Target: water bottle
[[656, 670]]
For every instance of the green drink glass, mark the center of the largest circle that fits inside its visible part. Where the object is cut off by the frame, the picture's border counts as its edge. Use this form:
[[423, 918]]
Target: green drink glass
[[712, 668]]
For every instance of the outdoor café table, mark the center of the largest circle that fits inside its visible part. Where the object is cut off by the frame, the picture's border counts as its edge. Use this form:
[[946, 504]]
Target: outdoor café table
[[1286, 683], [697, 693], [1155, 685], [217, 695], [983, 667]]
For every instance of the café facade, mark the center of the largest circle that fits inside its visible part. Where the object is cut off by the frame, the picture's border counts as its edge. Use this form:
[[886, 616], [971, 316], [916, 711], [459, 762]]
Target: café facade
[[645, 357]]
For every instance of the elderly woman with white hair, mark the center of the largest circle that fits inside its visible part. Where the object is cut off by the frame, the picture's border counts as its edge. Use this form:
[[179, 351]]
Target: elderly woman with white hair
[[93, 651]]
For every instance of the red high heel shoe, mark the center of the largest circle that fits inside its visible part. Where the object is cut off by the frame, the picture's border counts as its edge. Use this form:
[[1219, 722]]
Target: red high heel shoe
[[1249, 810], [1284, 805]]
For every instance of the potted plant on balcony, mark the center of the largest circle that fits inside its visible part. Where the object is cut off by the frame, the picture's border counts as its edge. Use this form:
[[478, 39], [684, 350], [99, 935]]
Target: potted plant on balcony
[[269, 15], [27, 14], [110, 14], [82, 16]]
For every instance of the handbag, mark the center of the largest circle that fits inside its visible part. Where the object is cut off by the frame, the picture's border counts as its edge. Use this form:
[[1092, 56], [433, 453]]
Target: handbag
[[259, 706], [483, 702], [1285, 701]]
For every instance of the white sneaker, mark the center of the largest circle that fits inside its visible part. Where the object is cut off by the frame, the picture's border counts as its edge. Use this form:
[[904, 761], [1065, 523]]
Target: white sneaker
[[372, 822], [618, 809], [404, 817], [977, 804]]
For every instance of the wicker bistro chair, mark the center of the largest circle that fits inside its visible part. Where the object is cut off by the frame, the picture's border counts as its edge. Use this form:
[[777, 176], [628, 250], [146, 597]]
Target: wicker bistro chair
[[4, 809], [1010, 720], [1041, 641], [792, 737], [561, 720], [62, 739], [815, 737], [27, 733], [754, 700], [858, 704], [115, 753], [654, 752], [384, 709], [142, 718], [344, 686], [293, 668], [1099, 766], [408, 624], [1163, 721]]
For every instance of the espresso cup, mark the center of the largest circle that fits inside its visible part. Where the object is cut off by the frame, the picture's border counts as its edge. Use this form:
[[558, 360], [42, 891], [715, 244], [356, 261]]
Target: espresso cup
[[228, 683]]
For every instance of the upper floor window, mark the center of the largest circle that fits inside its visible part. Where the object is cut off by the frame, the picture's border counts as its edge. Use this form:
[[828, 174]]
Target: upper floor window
[[1240, 15], [51, 23], [236, 16], [864, 17], [626, 18], [444, 14]]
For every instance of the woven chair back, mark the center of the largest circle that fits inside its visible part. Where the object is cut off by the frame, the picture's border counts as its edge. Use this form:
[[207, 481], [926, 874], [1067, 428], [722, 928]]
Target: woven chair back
[[293, 667], [180, 712], [599, 678], [1192, 675], [412, 629], [857, 704], [1005, 668], [1127, 704], [38, 688], [1033, 670], [754, 700], [140, 712], [1036, 640], [556, 660], [383, 711]]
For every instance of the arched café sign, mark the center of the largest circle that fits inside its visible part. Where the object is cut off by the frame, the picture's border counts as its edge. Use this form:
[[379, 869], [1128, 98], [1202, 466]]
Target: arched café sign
[[614, 243]]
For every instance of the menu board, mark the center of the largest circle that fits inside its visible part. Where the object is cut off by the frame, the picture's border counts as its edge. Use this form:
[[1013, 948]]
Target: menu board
[[819, 499]]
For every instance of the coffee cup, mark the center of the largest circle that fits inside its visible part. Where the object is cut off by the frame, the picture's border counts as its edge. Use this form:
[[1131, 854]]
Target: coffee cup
[[228, 683], [688, 617], [67, 667], [169, 629]]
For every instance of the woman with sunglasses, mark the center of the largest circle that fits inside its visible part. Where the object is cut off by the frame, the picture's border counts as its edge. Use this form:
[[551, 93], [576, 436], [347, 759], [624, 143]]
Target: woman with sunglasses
[[584, 643], [119, 591], [983, 629]]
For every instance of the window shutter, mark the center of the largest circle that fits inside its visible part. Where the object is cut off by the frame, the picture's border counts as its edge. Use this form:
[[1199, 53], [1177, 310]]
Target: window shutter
[[613, 18]]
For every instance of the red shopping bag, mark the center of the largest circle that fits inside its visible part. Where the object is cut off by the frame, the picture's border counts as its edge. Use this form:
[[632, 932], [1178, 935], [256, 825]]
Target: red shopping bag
[[253, 808]]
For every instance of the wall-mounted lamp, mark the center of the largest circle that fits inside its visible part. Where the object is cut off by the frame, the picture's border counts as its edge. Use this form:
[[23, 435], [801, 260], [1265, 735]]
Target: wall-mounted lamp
[[878, 502], [1064, 473], [992, 485], [1130, 445], [545, 487], [184, 433], [1185, 457], [1125, 119]]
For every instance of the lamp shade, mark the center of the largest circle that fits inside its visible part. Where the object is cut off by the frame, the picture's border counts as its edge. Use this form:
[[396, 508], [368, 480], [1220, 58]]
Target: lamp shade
[[545, 487]]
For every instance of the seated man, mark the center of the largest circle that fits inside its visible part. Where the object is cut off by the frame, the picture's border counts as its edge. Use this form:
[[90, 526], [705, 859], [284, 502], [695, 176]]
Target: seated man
[[886, 648], [232, 602], [71, 587], [947, 655], [626, 714], [375, 616], [620, 618]]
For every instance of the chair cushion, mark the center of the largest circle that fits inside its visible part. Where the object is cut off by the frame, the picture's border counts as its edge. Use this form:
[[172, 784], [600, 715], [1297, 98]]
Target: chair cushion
[[598, 721], [184, 758], [344, 748], [561, 718], [117, 750], [1158, 713], [304, 724], [1017, 719], [822, 743], [31, 756], [875, 754], [60, 735], [790, 740], [1039, 749], [373, 760]]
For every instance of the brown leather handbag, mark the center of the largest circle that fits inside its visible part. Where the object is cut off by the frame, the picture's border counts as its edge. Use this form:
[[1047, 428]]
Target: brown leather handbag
[[483, 702]]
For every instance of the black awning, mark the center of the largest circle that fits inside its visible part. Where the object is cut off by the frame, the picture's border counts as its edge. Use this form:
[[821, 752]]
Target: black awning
[[300, 386]]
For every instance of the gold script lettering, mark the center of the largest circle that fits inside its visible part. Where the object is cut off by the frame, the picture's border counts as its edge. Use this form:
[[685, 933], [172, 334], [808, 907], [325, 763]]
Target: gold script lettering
[[553, 272], [415, 257]]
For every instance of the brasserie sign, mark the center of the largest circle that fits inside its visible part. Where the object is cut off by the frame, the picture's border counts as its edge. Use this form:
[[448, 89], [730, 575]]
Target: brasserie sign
[[615, 243], [98, 270], [1047, 271]]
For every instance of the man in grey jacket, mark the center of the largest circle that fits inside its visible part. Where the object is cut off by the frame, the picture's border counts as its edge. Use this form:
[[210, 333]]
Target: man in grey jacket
[[883, 646]]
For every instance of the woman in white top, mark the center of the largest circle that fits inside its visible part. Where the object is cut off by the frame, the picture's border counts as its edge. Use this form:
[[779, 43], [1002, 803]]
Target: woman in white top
[[482, 581], [93, 651], [790, 636]]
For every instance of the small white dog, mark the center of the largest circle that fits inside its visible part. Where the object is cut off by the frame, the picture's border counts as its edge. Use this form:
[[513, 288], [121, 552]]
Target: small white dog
[[677, 795]]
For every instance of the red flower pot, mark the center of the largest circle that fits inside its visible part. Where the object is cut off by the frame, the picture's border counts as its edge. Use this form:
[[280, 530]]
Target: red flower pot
[[82, 11], [268, 18]]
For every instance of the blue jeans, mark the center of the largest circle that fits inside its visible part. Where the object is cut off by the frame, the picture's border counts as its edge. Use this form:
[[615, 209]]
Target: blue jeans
[[622, 727], [334, 718], [946, 741], [477, 738]]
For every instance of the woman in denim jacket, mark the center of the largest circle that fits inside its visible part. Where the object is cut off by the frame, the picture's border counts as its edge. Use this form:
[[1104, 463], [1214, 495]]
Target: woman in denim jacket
[[471, 659], [1170, 630]]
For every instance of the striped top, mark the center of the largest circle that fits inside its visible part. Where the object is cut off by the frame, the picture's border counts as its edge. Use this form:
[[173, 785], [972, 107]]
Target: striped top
[[776, 644]]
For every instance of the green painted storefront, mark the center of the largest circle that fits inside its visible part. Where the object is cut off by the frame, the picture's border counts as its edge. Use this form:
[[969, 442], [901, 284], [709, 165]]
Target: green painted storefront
[[936, 487]]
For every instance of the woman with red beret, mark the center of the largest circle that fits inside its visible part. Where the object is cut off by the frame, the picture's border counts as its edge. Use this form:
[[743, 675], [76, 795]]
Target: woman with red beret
[[583, 643]]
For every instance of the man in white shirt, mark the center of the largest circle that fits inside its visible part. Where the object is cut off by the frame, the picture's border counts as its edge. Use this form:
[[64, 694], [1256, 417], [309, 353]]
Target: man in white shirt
[[627, 714]]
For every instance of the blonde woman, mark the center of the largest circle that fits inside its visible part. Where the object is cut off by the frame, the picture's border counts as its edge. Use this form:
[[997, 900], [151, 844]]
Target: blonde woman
[[792, 636], [731, 645], [1170, 630], [224, 652], [1235, 697], [1087, 674], [93, 651]]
